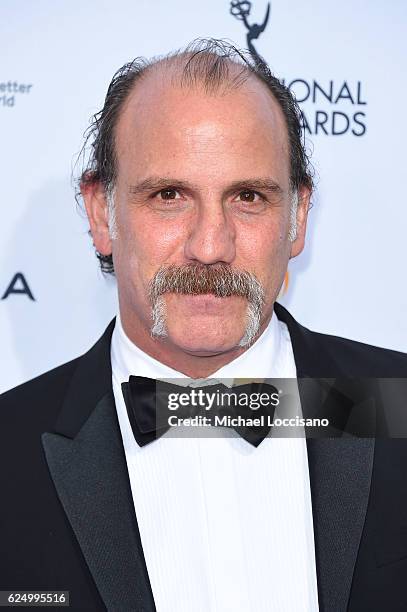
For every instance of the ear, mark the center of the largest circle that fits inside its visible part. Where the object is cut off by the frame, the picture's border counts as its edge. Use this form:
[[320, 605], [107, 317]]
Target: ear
[[304, 196], [95, 201]]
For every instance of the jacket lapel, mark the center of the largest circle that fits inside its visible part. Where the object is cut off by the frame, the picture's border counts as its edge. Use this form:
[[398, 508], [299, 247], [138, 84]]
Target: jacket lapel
[[340, 473], [87, 463]]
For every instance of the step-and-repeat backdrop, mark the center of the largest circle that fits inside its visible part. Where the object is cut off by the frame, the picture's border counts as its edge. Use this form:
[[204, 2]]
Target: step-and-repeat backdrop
[[346, 64]]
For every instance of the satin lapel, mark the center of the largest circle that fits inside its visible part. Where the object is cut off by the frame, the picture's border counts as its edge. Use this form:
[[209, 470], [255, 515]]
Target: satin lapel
[[87, 464], [340, 473], [90, 476]]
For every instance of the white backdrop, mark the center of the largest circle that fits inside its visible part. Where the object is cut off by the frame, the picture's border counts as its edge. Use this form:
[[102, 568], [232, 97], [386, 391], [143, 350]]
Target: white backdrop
[[57, 60]]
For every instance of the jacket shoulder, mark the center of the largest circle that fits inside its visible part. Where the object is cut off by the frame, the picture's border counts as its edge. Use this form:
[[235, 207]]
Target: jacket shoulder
[[39, 399], [360, 359], [323, 355]]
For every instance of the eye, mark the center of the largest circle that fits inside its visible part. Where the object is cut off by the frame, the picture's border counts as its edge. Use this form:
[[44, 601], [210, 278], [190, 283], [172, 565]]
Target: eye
[[248, 195], [169, 194]]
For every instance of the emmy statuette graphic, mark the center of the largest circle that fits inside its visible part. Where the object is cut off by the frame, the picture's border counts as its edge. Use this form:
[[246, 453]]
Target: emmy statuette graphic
[[241, 10]]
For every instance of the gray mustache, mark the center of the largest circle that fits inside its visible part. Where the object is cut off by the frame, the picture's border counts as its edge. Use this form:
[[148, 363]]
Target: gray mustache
[[197, 279]]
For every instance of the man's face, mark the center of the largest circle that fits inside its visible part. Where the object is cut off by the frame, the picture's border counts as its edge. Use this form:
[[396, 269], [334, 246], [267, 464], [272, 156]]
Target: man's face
[[202, 179]]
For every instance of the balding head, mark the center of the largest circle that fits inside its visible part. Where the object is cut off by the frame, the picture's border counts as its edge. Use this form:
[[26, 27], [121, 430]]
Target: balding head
[[213, 67]]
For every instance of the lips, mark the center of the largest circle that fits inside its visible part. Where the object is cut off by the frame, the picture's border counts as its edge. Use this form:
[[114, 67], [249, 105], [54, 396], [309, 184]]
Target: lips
[[206, 303]]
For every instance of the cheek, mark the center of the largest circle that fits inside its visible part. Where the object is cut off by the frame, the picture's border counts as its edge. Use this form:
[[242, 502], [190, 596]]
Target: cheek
[[266, 243], [148, 241], [266, 252]]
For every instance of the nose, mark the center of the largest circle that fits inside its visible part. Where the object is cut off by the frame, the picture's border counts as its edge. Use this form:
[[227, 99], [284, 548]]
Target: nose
[[212, 236]]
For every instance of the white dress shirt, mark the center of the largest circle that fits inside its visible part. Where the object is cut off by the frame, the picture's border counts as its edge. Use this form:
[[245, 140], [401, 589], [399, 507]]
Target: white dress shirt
[[224, 526]]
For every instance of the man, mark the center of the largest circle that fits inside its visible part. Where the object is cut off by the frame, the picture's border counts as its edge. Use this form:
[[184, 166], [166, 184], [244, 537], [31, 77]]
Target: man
[[197, 194]]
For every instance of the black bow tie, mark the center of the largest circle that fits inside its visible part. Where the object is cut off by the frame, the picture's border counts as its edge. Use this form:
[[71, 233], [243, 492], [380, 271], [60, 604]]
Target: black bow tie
[[148, 407]]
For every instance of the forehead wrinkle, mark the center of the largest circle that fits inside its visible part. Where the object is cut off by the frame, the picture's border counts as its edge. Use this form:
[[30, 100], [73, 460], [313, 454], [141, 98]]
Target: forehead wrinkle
[[146, 108]]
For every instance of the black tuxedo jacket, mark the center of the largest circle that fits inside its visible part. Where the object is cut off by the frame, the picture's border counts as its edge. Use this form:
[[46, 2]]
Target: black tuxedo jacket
[[67, 519]]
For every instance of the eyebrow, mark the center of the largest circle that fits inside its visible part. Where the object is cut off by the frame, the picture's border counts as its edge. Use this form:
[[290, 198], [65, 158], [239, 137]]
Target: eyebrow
[[156, 183]]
